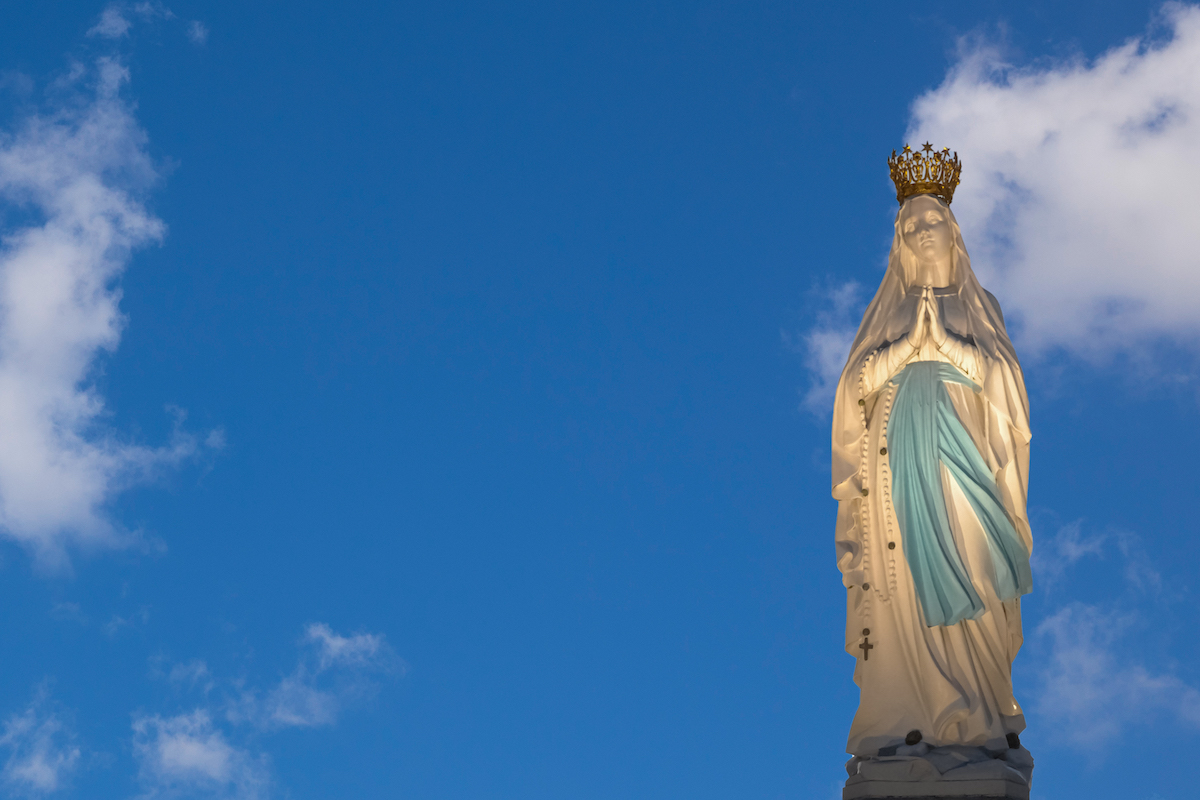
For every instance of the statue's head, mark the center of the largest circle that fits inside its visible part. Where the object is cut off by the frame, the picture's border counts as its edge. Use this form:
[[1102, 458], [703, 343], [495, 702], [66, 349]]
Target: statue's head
[[927, 235]]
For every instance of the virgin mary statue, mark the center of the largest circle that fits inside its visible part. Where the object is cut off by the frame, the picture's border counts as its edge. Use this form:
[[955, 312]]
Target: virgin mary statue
[[930, 471]]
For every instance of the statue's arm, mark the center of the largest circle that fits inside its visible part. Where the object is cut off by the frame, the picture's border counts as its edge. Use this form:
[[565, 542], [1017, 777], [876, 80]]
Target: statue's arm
[[963, 354], [848, 540], [885, 362], [958, 350]]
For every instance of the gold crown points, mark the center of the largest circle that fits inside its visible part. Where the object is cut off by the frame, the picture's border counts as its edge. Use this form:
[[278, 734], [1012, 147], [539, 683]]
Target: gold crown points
[[933, 172]]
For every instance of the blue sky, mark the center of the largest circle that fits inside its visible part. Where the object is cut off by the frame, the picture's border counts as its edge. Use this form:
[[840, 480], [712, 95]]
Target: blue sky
[[427, 400]]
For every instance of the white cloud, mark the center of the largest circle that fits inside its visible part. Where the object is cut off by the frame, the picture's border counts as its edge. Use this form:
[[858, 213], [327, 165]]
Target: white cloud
[[1140, 573], [197, 31], [335, 670], [42, 752], [1094, 679], [1057, 552], [113, 23], [198, 752], [1092, 689], [191, 673], [826, 345], [1079, 186], [185, 755], [358, 650], [297, 702], [68, 611], [118, 623], [116, 18], [75, 171]]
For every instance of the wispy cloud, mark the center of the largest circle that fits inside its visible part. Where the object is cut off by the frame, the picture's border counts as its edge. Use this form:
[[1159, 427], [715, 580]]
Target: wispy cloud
[[41, 747], [68, 612], [76, 171], [203, 750], [186, 755], [1079, 185], [192, 674], [825, 344], [197, 32], [356, 651], [117, 19], [332, 671], [113, 23], [1094, 679], [1059, 551], [1093, 690], [117, 623]]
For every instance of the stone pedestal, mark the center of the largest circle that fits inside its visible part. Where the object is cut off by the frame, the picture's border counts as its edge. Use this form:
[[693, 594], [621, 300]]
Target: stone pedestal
[[909, 790], [918, 772]]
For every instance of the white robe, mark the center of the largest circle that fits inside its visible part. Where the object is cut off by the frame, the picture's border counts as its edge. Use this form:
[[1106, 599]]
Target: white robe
[[952, 683]]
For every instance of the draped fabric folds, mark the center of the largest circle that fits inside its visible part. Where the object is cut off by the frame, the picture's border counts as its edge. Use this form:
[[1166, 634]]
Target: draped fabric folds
[[925, 433]]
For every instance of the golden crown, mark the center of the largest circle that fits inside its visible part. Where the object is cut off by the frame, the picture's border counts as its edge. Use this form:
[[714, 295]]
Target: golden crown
[[931, 172]]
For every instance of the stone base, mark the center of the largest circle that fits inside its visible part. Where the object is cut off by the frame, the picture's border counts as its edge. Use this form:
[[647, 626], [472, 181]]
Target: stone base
[[928, 790], [919, 772]]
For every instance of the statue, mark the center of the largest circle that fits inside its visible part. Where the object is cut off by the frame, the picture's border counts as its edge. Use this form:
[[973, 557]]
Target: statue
[[930, 471]]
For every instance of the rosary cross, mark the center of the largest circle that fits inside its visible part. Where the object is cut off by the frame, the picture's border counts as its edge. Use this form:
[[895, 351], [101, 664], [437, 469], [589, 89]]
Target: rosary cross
[[866, 645]]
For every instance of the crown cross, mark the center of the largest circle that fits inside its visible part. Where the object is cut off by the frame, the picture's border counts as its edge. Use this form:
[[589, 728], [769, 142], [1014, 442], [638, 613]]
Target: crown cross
[[933, 172]]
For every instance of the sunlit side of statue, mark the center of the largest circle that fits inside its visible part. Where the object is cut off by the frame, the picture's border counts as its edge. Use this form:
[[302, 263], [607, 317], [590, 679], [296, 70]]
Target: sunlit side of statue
[[930, 470]]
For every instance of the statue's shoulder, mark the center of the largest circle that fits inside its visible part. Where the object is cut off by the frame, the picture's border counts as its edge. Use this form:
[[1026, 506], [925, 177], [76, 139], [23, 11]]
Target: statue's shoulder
[[996, 304]]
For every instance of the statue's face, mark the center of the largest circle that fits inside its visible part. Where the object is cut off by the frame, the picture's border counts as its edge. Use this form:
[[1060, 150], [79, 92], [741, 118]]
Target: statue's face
[[925, 225]]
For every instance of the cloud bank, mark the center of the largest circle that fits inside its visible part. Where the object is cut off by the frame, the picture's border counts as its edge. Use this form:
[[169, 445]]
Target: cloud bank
[[1078, 195], [71, 176], [1079, 183]]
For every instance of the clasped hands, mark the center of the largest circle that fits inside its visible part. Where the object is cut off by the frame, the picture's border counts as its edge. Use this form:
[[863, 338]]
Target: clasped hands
[[927, 321]]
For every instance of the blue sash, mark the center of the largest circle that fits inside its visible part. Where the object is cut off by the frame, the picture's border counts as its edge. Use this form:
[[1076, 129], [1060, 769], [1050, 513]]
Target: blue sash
[[923, 432]]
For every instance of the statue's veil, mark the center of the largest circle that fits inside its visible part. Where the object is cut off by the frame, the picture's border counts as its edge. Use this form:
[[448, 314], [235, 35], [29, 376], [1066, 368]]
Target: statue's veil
[[1003, 383]]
